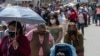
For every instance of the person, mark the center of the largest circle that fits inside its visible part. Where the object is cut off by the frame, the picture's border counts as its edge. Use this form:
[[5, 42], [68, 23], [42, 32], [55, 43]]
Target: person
[[31, 6], [93, 6], [61, 16], [68, 13], [55, 28], [40, 41], [97, 15], [2, 33], [52, 6], [13, 44], [46, 15], [73, 17], [81, 20], [75, 38]]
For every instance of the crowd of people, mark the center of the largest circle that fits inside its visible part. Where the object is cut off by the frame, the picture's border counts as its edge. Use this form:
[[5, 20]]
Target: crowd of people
[[63, 24]]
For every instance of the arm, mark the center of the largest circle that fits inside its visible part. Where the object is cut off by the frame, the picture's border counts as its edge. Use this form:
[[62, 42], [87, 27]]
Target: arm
[[65, 39], [59, 36], [80, 46], [1, 54], [24, 47], [51, 40], [29, 35]]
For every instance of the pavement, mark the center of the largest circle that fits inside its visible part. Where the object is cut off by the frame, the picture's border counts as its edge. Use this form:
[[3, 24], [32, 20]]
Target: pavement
[[91, 42]]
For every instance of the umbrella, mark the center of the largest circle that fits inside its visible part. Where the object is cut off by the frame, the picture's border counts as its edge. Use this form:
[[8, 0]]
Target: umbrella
[[22, 14]]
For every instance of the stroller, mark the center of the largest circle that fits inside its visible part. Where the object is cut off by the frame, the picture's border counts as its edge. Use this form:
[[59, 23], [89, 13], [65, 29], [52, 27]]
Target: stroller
[[62, 49]]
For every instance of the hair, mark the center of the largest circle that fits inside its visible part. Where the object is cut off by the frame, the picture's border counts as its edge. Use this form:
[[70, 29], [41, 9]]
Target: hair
[[55, 16], [17, 25], [30, 5], [72, 24], [76, 36], [41, 26]]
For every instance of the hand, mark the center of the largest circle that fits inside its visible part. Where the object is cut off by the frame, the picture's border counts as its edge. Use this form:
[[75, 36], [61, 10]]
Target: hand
[[73, 37], [15, 44]]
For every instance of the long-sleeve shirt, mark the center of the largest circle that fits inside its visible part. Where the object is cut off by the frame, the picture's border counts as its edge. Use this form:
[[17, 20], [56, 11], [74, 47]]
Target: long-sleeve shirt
[[30, 35], [22, 50]]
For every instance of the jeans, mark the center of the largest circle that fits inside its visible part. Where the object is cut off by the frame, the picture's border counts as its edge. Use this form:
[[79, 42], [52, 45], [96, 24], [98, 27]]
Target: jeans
[[97, 18], [81, 27]]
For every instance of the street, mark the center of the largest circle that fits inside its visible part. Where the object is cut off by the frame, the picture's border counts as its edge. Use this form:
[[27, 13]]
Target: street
[[91, 42]]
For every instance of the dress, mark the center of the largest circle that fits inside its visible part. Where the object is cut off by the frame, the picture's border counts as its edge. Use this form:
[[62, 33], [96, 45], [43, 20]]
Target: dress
[[55, 32]]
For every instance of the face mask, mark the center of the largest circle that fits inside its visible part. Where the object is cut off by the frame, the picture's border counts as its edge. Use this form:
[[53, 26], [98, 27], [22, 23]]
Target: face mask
[[12, 34], [42, 32], [52, 21], [73, 32]]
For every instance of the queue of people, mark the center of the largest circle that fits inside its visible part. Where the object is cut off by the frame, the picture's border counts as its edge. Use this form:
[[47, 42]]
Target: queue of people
[[62, 24], [39, 41]]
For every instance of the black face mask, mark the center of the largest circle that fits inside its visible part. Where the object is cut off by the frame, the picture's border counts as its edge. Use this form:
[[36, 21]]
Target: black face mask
[[73, 32], [42, 32], [12, 34]]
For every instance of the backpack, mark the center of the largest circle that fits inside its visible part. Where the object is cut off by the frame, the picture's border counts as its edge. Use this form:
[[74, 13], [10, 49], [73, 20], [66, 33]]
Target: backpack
[[63, 49]]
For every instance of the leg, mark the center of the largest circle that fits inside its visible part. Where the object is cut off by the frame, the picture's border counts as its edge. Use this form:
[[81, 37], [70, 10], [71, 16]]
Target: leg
[[99, 18], [96, 19], [78, 26], [82, 28]]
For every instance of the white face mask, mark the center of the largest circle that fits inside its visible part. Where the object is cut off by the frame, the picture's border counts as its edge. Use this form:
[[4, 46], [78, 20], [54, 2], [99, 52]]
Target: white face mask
[[52, 21]]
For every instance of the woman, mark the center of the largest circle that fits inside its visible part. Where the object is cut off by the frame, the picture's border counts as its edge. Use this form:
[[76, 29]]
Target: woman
[[55, 28], [40, 40], [73, 16], [13, 44], [81, 20], [74, 37]]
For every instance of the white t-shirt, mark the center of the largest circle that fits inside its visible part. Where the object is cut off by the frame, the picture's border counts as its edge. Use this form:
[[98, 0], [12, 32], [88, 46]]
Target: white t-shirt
[[61, 18], [81, 18]]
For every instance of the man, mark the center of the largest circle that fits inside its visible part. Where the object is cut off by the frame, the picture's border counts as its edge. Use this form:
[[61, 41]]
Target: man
[[40, 40]]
